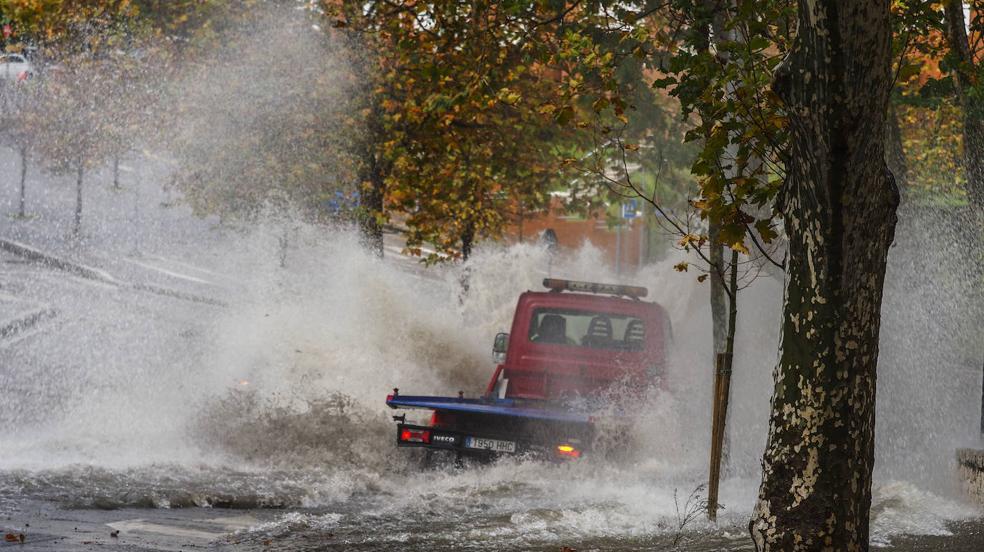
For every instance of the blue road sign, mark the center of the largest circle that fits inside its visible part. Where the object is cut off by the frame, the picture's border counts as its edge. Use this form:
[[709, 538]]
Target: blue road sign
[[630, 209]]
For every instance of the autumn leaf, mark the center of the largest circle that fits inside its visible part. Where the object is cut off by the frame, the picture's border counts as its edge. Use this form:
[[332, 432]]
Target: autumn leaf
[[691, 240], [764, 228], [565, 115]]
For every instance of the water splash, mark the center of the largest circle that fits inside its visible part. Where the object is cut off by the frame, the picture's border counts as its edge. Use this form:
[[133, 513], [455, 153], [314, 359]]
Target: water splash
[[277, 401]]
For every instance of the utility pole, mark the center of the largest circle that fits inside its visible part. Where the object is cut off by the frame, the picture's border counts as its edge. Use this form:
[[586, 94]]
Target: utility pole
[[629, 212], [643, 236], [618, 248]]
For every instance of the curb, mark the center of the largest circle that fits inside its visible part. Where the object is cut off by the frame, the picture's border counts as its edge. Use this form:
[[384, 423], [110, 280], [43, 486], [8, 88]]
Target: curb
[[96, 274], [970, 467], [41, 257], [167, 292]]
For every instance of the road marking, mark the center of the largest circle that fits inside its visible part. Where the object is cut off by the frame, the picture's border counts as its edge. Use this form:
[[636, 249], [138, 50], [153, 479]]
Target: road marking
[[169, 272], [189, 265]]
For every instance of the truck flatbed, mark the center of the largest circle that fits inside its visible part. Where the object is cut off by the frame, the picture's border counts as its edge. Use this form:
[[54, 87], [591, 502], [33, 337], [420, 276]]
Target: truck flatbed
[[497, 407]]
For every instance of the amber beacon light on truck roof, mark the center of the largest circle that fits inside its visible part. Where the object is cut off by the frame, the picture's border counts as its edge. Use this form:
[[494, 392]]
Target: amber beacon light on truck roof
[[556, 284]]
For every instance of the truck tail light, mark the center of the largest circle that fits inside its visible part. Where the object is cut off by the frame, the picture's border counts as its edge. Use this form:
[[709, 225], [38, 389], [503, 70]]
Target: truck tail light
[[415, 436], [568, 451]]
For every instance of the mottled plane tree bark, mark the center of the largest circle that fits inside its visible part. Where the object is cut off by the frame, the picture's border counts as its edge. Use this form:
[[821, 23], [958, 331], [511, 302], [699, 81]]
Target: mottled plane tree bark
[[839, 205]]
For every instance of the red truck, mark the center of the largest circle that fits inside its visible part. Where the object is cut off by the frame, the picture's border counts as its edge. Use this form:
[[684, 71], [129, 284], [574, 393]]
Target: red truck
[[569, 350]]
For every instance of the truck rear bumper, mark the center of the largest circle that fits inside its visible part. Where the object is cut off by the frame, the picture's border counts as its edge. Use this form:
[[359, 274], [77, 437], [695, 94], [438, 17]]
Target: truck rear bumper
[[481, 444]]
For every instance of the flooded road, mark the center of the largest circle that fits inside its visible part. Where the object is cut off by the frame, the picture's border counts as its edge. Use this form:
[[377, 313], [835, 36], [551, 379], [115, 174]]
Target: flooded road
[[503, 507], [385, 520], [257, 421]]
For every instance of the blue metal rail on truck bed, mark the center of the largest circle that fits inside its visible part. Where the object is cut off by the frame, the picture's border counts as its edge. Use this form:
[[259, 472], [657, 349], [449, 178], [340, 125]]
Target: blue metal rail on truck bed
[[498, 407]]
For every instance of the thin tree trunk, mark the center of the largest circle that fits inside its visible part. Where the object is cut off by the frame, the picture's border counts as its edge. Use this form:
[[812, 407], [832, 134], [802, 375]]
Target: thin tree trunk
[[724, 363], [116, 172], [22, 210], [839, 205], [78, 199], [708, 17], [467, 240], [973, 106], [719, 298], [724, 330], [373, 191], [136, 220], [372, 231], [284, 242], [521, 217], [729, 344]]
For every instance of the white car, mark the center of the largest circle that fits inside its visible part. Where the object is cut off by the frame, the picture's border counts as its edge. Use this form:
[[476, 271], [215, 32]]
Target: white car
[[14, 67]]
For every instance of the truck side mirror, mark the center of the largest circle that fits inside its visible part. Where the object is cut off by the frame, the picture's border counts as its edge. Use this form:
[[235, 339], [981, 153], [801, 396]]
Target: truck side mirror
[[499, 347]]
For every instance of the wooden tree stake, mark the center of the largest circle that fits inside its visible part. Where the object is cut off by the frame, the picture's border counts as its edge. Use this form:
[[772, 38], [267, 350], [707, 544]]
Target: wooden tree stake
[[722, 390]]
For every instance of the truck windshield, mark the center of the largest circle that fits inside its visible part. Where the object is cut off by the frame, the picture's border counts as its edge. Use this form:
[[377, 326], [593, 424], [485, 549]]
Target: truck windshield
[[595, 330]]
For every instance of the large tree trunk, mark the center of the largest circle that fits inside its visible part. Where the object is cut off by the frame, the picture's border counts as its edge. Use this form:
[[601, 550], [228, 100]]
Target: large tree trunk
[[973, 106], [78, 199], [839, 205]]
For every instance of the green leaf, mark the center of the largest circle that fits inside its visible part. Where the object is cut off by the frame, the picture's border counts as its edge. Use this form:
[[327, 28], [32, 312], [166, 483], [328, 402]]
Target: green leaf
[[565, 115], [758, 42], [908, 71], [764, 228]]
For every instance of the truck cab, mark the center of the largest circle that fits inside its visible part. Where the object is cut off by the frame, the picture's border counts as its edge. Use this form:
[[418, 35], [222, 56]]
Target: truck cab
[[575, 340], [570, 349]]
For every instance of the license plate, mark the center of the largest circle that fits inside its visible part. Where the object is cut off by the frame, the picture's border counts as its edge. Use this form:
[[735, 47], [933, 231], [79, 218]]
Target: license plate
[[494, 445]]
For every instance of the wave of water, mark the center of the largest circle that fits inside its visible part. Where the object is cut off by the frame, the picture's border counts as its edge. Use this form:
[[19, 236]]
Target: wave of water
[[277, 401]]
